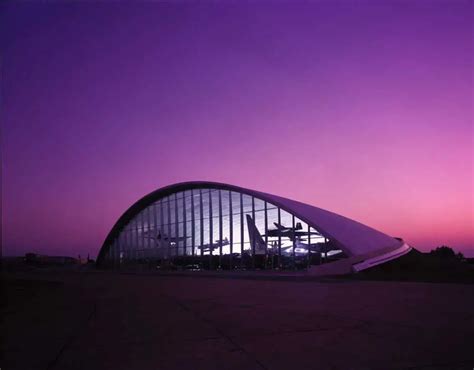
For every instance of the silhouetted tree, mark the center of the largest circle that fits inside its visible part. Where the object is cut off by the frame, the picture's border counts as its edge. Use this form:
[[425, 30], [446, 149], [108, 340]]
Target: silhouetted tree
[[446, 252], [460, 256]]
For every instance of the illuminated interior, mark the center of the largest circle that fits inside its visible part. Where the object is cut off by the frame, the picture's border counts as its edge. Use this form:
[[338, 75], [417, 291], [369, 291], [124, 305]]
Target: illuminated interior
[[206, 228]]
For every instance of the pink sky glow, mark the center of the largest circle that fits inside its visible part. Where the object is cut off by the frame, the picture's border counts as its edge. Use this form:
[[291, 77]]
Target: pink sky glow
[[363, 109]]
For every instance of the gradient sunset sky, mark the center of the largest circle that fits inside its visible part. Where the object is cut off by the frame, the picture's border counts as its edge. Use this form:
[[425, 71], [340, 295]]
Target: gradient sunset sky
[[364, 108]]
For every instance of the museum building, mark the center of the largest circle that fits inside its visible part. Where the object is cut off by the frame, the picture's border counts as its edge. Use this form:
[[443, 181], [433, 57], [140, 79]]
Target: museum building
[[213, 226]]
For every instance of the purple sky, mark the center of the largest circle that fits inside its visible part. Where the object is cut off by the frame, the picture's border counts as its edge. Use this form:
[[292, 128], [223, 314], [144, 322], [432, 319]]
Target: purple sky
[[361, 108]]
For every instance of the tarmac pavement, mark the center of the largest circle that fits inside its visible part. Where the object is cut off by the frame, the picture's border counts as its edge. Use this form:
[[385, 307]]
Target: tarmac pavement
[[106, 320]]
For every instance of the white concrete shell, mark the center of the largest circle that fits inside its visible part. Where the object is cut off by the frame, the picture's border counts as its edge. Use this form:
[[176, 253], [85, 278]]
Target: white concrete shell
[[364, 246]]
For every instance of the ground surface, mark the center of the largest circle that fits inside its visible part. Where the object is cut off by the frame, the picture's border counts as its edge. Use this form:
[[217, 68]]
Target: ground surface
[[104, 320]]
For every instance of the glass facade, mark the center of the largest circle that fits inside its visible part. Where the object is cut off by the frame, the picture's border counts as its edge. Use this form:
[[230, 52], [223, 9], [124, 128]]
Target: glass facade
[[219, 229]]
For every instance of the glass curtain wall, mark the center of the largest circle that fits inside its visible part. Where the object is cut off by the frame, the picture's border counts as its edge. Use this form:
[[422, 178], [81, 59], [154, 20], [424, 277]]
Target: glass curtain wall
[[219, 229]]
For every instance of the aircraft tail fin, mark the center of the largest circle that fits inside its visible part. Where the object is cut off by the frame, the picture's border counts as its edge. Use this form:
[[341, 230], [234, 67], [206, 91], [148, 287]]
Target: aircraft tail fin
[[256, 239]]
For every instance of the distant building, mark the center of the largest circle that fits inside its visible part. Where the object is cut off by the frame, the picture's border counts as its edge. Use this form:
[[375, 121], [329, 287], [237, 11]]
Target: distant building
[[207, 225], [43, 260]]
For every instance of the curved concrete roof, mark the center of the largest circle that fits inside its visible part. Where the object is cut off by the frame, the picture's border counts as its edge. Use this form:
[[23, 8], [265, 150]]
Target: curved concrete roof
[[351, 236]]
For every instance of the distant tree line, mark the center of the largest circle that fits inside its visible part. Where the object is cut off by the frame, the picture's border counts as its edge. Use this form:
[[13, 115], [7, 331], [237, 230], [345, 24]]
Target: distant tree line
[[446, 252]]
